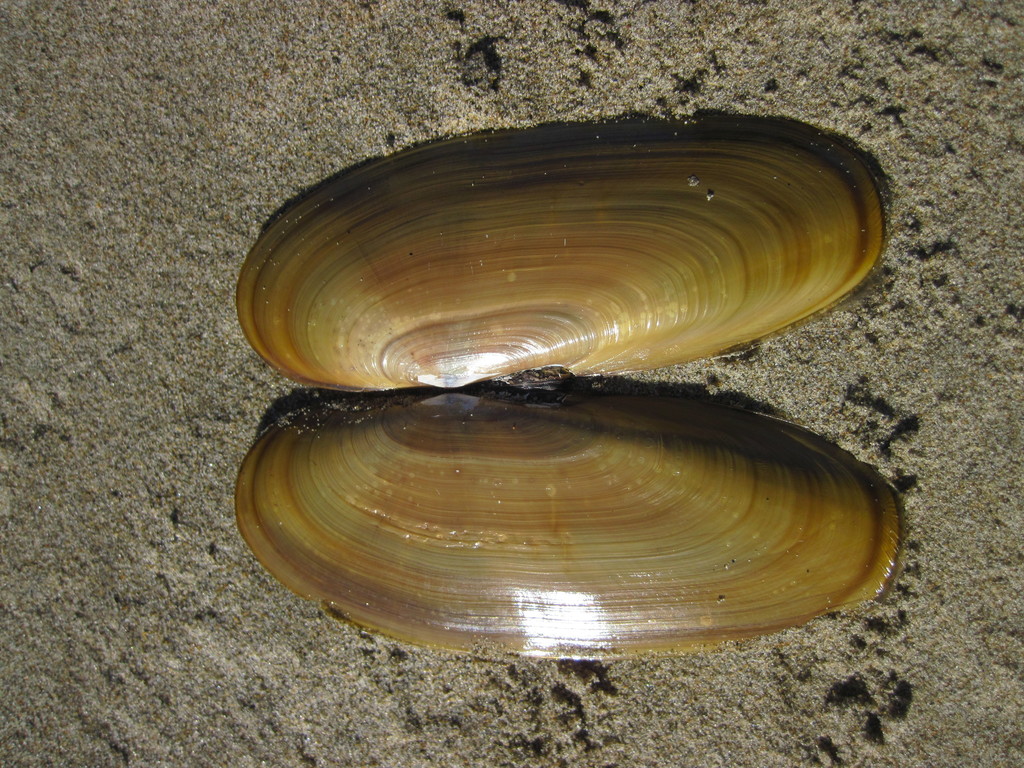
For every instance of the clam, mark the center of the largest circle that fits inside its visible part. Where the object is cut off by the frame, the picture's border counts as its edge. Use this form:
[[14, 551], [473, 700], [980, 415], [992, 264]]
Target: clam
[[598, 527], [596, 248]]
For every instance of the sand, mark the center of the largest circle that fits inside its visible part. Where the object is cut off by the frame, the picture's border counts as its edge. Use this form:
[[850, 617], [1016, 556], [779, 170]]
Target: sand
[[143, 148]]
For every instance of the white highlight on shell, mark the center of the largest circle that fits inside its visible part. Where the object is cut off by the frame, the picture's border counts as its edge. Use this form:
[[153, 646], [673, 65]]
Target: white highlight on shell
[[548, 618]]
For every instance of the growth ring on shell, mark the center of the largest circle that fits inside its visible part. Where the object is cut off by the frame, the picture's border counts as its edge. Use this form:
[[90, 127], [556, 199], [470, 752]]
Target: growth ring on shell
[[600, 248], [601, 527]]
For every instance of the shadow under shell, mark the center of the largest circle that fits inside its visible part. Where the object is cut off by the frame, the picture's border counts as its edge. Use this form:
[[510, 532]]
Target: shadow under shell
[[601, 527]]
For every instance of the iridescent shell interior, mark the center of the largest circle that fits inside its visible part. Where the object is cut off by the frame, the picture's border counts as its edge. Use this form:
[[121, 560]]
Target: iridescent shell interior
[[601, 248], [600, 527]]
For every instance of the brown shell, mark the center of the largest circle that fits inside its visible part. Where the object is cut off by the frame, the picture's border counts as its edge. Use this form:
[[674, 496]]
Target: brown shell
[[600, 248], [600, 527]]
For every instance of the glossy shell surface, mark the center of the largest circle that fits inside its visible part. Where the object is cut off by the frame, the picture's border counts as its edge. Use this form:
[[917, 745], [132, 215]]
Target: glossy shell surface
[[599, 527], [601, 248]]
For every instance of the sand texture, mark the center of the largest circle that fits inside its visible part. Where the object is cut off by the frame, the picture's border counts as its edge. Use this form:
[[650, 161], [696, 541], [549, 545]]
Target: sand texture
[[143, 147]]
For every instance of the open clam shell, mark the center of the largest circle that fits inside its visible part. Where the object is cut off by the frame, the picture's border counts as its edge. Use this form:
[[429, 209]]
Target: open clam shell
[[601, 248], [600, 527]]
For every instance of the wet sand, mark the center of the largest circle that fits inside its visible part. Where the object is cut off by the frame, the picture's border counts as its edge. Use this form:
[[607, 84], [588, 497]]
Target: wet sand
[[143, 150]]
